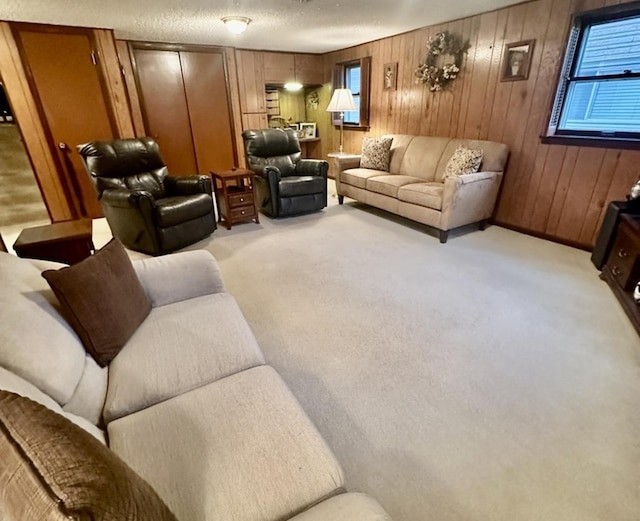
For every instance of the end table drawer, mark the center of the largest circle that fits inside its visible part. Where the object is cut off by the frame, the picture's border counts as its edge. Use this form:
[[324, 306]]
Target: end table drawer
[[623, 260], [241, 199], [242, 212]]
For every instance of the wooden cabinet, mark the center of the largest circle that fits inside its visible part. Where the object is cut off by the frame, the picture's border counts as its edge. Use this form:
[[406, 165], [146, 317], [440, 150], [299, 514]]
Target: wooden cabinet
[[622, 269], [251, 81], [309, 69], [279, 67]]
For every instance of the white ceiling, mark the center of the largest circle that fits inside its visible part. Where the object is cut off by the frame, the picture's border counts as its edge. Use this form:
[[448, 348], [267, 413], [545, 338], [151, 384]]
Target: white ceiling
[[316, 26]]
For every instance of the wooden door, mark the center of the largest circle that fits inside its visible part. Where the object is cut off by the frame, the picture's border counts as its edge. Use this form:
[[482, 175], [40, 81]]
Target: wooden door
[[207, 99], [62, 68], [164, 106]]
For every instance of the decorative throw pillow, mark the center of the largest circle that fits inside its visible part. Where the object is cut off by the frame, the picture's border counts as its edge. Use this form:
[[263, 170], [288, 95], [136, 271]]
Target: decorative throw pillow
[[375, 153], [52, 469], [102, 299], [463, 161]]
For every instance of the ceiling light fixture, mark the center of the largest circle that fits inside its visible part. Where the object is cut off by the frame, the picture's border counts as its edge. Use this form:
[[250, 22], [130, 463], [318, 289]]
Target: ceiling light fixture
[[293, 86], [236, 24]]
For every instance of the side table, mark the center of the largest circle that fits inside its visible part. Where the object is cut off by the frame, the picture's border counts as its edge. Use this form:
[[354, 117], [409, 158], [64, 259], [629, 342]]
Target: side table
[[68, 242], [622, 269], [235, 196]]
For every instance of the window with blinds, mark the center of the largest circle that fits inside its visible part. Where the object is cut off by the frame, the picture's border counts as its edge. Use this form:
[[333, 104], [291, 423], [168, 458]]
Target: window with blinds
[[598, 94], [352, 82]]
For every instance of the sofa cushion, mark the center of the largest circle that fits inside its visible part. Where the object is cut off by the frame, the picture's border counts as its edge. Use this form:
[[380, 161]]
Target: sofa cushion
[[389, 184], [301, 185], [36, 343], [358, 176], [463, 161], [240, 448], [88, 398], [13, 383], [420, 157], [85, 478], [375, 153], [422, 194], [345, 507], [103, 300], [180, 347]]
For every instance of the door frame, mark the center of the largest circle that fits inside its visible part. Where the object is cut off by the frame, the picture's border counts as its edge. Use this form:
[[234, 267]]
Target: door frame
[[177, 47], [74, 200]]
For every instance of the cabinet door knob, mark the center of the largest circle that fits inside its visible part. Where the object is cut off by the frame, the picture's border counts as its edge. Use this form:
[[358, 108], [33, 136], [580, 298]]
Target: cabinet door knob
[[622, 253], [241, 199], [616, 271]]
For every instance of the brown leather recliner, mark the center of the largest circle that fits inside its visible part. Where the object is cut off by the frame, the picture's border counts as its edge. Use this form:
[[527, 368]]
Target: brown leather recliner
[[146, 208], [285, 183]]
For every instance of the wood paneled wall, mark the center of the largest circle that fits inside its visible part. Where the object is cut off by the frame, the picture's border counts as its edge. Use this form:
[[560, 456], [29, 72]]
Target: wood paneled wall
[[559, 192]]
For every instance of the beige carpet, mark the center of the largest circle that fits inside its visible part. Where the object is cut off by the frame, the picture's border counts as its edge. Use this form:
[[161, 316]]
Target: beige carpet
[[21, 203], [491, 378]]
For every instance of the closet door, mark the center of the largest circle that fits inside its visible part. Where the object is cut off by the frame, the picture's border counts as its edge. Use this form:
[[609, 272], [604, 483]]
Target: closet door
[[184, 97], [164, 106], [61, 64], [206, 90]]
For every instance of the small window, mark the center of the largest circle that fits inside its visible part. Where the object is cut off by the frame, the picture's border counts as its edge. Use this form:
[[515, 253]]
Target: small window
[[598, 95], [354, 75]]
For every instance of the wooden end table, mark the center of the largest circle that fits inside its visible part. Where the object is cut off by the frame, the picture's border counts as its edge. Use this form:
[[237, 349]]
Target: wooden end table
[[68, 242], [235, 196]]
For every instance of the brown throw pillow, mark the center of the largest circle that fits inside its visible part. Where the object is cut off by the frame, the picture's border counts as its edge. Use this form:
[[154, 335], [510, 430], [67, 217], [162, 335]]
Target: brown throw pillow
[[102, 299], [52, 469], [376, 153]]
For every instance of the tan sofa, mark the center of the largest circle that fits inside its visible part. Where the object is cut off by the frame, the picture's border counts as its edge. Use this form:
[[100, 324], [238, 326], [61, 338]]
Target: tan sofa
[[189, 403], [413, 187]]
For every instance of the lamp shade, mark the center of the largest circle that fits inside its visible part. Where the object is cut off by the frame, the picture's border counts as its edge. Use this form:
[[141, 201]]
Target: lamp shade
[[341, 101]]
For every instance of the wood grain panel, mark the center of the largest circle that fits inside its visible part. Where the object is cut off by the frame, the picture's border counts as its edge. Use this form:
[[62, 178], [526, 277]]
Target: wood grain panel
[[234, 94], [26, 112], [560, 192], [205, 87], [114, 82], [135, 107], [165, 107]]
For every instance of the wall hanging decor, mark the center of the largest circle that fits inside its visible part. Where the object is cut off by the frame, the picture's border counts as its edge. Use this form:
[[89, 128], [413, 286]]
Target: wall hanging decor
[[516, 60], [390, 76], [437, 71]]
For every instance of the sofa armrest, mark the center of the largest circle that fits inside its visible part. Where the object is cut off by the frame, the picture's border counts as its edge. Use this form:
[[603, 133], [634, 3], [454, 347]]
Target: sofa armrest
[[179, 276], [120, 198], [188, 185], [314, 167], [469, 198], [346, 162]]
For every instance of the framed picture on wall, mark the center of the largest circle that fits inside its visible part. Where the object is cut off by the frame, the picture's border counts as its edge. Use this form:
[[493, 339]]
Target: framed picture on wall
[[307, 130], [516, 60], [390, 76]]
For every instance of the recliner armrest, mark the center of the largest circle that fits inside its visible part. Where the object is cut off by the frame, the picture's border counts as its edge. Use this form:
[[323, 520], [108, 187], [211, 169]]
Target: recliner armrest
[[179, 276], [317, 167], [125, 198], [187, 185]]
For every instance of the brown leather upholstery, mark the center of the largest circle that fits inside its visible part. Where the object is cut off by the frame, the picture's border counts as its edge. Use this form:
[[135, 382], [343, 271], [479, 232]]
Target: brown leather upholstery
[[146, 208], [285, 184]]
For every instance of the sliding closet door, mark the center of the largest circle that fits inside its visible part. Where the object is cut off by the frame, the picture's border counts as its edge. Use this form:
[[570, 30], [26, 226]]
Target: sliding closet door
[[206, 90], [164, 106], [62, 69], [185, 103]]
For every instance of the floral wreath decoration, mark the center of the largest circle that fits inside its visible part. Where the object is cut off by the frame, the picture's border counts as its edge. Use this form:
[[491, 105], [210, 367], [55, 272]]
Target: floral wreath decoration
[[441, 44]]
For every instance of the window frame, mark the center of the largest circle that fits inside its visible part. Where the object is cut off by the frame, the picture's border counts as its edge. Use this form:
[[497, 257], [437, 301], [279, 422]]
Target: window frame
[[339, 82], [580, 22]]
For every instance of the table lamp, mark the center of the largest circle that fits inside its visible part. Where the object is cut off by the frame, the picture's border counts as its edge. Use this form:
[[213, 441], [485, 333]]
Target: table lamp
[[341, 101]]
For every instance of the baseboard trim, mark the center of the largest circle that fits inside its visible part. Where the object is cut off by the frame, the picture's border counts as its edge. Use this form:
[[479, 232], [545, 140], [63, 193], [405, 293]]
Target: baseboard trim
[[545, 236]]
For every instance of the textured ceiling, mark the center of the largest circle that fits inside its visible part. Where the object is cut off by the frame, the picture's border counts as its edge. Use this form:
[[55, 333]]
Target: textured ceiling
[[316, 26]]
